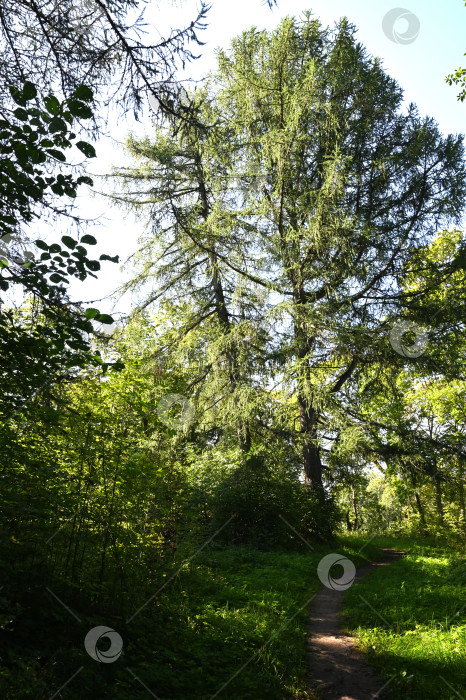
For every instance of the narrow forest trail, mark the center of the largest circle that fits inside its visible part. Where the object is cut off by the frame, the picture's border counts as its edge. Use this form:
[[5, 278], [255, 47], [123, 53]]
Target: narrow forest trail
[[338, 671]]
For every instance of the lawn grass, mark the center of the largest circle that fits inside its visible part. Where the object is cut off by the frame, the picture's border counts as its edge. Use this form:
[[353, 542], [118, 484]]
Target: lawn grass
[[404, 618]]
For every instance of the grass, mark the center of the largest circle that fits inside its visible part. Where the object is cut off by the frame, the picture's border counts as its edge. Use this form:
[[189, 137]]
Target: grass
[[409, 627], [237, 626], [231, 624]]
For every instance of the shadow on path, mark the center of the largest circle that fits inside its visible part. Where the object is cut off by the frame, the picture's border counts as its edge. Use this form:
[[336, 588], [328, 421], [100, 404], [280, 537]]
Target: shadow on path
[[338, 671]]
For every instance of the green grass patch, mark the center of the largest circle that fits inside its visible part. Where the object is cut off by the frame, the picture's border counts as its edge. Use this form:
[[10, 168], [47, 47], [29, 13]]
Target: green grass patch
[[410, 619], [238, 625]]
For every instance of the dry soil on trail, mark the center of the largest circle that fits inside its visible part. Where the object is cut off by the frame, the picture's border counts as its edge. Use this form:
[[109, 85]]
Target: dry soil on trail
[[338, 671]]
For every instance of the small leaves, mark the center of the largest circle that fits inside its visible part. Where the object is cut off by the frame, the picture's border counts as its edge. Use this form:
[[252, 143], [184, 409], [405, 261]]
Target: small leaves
[[459, 261], [59, 155], [57, 124], [31, 135], [104, 318], [84, 180], [52, 105], [17, 95], [83, 92], [112, 258], [79, 109], [29, 91], [21, 114], [91, 313]]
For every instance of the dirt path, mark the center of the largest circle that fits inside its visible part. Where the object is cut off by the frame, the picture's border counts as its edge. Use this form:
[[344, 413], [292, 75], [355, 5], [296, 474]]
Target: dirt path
[[337, 670]]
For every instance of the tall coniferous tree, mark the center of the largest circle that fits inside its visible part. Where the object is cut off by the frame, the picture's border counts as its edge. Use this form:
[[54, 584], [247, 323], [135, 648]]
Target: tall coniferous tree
[[192, 261], [353, 185], [339, 186]]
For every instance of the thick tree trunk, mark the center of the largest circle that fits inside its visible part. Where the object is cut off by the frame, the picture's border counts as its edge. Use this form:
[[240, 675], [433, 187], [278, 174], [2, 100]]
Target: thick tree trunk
[[349, 526], [311, 453], [244, 437], [420, 508]]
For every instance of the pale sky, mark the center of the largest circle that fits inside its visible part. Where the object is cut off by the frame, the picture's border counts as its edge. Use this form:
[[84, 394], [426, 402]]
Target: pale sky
[[435, 47]]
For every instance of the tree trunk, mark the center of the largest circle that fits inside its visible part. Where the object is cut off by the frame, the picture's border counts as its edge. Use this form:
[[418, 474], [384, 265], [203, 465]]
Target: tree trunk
[[438, 498], [462, 504], [355, 511], [421, 512], [243, 431], [349, 526], [311, 453]]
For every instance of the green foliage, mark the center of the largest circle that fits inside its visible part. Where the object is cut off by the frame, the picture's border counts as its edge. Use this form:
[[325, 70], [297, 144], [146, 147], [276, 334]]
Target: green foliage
[[280, 270], [419, 633], [257, 495], [49, 339], [283, 242], [248, 605]]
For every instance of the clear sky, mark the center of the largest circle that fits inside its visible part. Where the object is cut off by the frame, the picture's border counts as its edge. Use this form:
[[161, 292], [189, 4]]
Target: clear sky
[[420, 42]]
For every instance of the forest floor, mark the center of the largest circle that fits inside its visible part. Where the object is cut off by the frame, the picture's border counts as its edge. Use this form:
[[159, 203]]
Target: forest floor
[[231, 623], [338, 670], [409, 619]]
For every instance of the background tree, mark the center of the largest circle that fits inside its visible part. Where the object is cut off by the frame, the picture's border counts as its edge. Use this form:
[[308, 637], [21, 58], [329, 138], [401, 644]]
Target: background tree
[[196, 266], [353, 187], [102, 44], [342, 189]]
